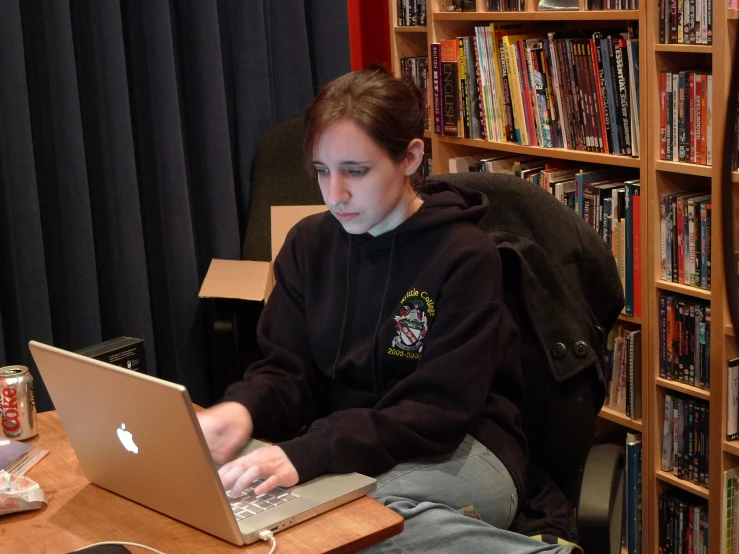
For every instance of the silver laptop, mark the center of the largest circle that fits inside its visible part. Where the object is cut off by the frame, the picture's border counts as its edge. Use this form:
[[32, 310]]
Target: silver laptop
[[138, 436]]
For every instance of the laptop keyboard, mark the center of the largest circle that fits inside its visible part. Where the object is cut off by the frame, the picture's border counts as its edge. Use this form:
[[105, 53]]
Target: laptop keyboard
[[248, 503]]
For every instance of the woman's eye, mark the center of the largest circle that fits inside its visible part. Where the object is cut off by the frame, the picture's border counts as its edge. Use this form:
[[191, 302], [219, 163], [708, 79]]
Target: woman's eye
[[357, 172], [322, 170]]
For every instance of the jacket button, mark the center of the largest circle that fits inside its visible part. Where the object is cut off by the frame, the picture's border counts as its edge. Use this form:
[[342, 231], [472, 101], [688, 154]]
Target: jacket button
[[581, 349], [559, 350]]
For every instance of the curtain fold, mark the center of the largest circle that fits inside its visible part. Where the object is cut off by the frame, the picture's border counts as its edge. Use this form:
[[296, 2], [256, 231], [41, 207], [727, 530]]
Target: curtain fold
[[127, 135]]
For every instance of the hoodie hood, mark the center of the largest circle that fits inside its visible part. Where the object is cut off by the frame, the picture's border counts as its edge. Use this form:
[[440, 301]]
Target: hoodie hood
[[443, 204]]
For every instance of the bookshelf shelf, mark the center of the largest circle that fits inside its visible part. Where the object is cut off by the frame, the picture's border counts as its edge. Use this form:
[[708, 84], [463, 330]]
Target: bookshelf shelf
[[683, 388], [637, 320], [732, 14], [731, 447], [410, 29], [560, 153], [611, 414], [583, 15], [695, 292], [735, 174], [680, 483], [428, 133], [729, 330], [696, 48], [685, 168]]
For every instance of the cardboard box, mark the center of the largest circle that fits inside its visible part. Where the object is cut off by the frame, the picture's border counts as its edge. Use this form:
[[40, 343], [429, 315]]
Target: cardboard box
[[126, 352], [249, 280]]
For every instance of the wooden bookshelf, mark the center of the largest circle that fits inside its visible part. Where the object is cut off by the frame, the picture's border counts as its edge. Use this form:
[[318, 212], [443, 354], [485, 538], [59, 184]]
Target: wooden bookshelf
[[665, 477], [667, 177], [560, 153], [410, 29], [677, 386], [684, 48], [682, 167], [657, 177], [443, 25], [630, 318], [685, 290], [732, 447], [621, 418]]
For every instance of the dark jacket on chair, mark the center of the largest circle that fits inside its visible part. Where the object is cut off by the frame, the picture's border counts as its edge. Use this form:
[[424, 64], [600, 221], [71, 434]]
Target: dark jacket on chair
[[562, 286]]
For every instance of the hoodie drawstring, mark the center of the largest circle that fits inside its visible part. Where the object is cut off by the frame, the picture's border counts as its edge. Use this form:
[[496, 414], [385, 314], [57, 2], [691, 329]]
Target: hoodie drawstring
[[376, 371], [346, 309]]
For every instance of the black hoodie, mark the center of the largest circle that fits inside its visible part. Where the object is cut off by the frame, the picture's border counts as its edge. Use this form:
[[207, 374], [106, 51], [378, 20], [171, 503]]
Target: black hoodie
[[388, 348]]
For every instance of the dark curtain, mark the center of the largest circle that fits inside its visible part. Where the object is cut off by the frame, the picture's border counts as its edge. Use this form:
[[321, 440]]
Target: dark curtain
[[127, 133]]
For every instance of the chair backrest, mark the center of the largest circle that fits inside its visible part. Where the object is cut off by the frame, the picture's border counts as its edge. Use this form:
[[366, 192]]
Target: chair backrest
[[560, 408], [279, 178]]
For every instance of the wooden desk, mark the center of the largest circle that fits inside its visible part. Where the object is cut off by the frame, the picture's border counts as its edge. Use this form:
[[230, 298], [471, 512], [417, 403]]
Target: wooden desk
[[79, 514]]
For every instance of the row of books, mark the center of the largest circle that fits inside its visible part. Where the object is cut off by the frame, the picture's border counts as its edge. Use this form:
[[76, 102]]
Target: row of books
[[685, 340], [685, 438], [632, 537], [411, 13], [685, 239], [612, 5], [686, 21], [564, 90], [461, 5], [506, 5], [623, 371], [612, 205], [686, 117], [417, 70], [606, 197], [683, 524]]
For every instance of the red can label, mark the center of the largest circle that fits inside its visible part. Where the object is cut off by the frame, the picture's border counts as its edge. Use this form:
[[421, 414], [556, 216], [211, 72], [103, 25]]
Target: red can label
[[11, 415]]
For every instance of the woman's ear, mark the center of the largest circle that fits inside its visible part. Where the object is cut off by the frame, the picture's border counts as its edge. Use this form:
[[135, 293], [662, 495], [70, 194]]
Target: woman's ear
[[414, 157]]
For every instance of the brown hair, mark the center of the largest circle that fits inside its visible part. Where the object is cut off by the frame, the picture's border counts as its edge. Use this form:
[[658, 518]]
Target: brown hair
[[390, 110]]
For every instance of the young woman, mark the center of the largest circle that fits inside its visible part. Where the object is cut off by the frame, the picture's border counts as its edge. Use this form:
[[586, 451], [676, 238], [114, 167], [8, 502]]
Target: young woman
[[387, 348]]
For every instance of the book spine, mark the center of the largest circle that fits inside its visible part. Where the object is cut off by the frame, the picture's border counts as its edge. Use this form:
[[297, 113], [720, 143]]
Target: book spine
[[623, 93], [436, 79]]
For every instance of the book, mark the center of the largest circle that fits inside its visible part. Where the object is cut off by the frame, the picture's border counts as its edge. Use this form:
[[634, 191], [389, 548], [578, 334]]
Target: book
[[18, 457], [732, 411]]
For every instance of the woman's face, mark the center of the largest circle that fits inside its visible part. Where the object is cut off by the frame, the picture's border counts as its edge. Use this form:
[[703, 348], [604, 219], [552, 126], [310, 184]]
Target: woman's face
[[361, 185]]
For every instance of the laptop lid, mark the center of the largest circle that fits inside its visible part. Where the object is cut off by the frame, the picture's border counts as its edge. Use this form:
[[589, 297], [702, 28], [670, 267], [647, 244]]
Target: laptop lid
[[137, 436]]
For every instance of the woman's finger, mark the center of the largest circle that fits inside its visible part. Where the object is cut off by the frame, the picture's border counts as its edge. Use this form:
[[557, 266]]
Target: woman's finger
[[246, 479], [230, 473], [268, 485]]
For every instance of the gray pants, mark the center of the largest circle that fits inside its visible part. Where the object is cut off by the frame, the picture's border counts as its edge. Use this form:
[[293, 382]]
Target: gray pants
[[428, 493]]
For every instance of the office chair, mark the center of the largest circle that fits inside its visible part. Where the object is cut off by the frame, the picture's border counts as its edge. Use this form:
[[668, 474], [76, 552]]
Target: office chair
[[543, 241]]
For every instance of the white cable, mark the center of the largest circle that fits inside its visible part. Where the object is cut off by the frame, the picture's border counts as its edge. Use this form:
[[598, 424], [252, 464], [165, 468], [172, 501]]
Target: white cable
[[120, 544], [267, 535]]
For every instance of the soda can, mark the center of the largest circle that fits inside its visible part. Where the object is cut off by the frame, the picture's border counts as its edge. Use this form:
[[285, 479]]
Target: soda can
[[17, 403]]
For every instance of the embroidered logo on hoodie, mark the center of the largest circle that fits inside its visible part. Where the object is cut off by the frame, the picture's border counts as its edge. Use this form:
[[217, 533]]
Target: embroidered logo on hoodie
[[412, 322]]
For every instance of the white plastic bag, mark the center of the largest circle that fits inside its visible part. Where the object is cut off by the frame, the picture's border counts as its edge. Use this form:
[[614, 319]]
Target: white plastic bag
[[19, 494]]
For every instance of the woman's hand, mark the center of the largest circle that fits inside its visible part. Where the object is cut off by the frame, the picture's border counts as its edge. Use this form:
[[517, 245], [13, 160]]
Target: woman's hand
[[227, 428], [269, 463]]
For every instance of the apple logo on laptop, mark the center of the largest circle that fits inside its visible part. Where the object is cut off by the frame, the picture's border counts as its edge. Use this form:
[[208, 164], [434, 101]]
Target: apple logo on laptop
[[126, 439]]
